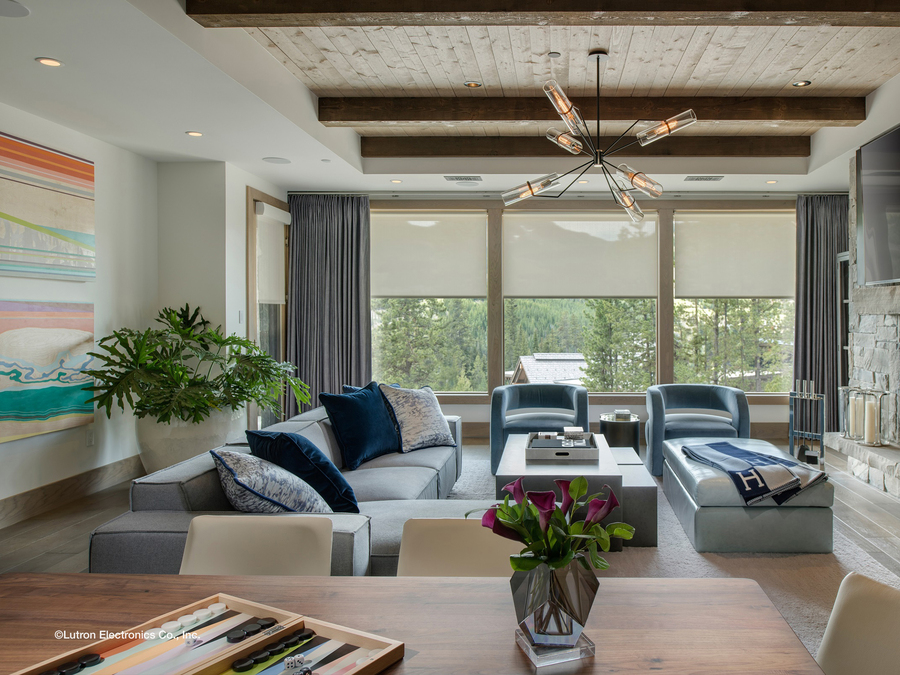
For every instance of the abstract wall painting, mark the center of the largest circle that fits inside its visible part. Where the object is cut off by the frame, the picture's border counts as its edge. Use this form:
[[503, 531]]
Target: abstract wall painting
[[43, 350], [46, 212]]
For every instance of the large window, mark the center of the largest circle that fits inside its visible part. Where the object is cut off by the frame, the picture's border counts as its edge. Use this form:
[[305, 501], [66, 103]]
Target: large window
[[429, 315], [734, 309], [580, 299]]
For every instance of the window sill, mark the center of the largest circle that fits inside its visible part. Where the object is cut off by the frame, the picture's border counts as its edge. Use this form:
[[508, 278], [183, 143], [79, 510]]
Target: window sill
[[480, 398]]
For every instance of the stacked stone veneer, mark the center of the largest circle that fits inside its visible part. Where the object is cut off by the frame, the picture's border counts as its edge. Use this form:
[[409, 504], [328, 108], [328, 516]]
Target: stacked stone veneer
[[874, 320]]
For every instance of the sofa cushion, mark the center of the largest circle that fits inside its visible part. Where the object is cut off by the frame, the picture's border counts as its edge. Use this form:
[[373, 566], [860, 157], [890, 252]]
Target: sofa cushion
[[680, 425], [297, 454], [442, 460], [152, 542], [388, 518], [403, 482], [710, 487], [191, 485], [361, 424], [419, 417], [254, 485]]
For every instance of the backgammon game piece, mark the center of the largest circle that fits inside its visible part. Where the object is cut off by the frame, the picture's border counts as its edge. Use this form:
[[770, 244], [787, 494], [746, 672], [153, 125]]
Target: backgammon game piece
[[223, 635]]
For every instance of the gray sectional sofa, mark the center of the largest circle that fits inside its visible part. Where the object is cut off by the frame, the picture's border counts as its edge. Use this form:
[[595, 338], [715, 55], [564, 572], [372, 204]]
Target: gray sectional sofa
[[150, 538]]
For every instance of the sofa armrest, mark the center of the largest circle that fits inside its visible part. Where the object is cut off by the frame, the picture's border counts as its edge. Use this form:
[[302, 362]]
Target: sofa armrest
[[152, 542], [455, 422]]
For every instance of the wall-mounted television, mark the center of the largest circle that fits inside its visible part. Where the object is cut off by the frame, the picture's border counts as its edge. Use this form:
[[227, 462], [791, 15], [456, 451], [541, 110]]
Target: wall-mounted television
[[878, 210]]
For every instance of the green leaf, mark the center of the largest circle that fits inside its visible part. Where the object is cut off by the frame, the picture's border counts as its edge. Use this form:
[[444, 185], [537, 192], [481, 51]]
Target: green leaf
[[562, 562], [578, 488], [620, 530], [601, 536], [524, 563]]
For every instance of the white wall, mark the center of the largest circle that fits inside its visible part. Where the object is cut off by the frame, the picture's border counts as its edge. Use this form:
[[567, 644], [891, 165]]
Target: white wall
[[124, 294]]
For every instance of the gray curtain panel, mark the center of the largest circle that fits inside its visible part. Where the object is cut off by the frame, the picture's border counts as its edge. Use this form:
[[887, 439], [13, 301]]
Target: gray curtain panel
[[329, 335], [822, 233]]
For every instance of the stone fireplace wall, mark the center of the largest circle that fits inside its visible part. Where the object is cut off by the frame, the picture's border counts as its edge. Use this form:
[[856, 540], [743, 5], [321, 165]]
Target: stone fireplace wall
[[874, 319]]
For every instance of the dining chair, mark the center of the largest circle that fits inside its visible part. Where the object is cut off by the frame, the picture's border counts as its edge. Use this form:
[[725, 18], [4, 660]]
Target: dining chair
[[281, 545], [453, 547], [861, 635]]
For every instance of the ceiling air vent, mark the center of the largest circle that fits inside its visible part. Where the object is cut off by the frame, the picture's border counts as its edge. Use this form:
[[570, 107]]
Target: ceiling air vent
[[464, 180], [703, 179]]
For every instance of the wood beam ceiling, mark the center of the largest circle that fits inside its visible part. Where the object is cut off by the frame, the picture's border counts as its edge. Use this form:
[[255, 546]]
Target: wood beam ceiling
[[367, 111], [288, 13], [536, 146]]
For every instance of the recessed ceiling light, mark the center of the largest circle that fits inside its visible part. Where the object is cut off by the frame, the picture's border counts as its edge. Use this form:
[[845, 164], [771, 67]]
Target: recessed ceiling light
[[195, 134], [802, 83], [771, 182], [326, 161], [13, 10], [47, 61], [472, 84], [582, 182], [395, 180], [554, 55], [277, 160]]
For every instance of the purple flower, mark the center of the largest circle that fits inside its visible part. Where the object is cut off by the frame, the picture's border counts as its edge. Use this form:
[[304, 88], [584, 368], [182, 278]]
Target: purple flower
[[516, 490], [545, 502], [567, 500], [598, 509], [490, 521]]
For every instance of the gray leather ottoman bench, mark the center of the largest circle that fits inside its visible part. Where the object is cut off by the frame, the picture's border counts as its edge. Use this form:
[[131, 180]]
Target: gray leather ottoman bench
[[716, 520]]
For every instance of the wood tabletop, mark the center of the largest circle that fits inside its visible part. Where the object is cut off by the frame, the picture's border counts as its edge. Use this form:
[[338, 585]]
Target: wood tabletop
[[450, 626]]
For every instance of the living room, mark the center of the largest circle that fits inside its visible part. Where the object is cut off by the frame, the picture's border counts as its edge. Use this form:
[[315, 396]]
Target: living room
[[652, 225]]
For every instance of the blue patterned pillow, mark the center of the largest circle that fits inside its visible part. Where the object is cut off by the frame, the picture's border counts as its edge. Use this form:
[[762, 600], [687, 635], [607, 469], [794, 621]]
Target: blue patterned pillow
[[254, 485], [419, 416]]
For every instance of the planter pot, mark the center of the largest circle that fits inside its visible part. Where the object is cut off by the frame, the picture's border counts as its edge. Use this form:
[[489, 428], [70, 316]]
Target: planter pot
[[552, 607], [163, 445]]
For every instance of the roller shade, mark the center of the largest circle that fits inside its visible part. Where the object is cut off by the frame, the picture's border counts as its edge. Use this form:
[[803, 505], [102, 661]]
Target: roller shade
[[270, 249], [722, 254], [578, 255], [429, 254]]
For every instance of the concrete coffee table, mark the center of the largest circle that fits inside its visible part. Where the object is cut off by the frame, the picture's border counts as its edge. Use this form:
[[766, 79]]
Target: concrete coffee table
[[633, 485]]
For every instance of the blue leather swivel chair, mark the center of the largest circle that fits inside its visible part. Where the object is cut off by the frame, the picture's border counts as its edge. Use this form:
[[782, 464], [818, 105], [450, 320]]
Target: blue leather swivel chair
[[662, 426], [551, 398]]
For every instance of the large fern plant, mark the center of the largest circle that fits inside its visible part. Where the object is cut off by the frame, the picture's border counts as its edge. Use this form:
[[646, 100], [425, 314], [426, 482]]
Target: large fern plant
[[187, 370]]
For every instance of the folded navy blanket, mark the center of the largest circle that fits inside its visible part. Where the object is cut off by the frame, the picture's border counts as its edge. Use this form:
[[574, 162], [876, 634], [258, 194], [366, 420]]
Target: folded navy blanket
[[755, 475]]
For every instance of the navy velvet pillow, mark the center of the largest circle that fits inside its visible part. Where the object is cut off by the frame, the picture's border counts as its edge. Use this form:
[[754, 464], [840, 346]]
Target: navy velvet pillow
[[300, 456], [361, 425]]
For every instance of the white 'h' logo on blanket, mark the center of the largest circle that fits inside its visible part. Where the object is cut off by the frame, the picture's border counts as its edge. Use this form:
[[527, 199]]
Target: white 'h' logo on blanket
[[754, 475]]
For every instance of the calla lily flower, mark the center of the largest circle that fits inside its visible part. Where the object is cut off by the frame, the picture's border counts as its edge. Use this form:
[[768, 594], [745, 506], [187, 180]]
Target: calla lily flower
[[598, 509], [545, 502], [516, 490], [567, 500], [490, 521]]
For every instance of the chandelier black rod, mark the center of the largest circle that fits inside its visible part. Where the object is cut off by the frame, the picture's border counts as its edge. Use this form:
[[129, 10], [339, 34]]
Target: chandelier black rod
[[586, 168], [612, 145]]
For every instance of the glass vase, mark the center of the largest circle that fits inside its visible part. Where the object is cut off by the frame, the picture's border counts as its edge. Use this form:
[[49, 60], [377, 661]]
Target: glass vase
[[552, 608]]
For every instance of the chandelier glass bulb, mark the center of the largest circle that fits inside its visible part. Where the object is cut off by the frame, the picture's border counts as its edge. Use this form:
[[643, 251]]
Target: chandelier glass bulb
[[627, 202], [567, 111], [530, 189], [566, 141], [641, 181], [666, 127]]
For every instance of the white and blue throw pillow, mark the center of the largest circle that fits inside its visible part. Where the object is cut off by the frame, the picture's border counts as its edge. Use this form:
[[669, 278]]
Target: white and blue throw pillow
[[419, 417], [253, 485]]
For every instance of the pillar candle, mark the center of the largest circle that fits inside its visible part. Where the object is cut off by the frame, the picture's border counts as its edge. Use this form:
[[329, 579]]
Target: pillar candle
[[860, 415], [851, 415], [871, 421]]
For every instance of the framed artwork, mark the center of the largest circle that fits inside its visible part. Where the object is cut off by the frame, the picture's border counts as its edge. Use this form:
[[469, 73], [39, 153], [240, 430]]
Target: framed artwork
[[43, 351], [46, 212]]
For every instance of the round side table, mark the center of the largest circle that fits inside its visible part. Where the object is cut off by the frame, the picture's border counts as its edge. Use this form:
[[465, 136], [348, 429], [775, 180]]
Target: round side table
[[621, 433]]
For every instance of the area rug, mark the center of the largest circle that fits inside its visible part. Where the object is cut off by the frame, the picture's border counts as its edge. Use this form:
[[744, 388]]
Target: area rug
[[802, 586]]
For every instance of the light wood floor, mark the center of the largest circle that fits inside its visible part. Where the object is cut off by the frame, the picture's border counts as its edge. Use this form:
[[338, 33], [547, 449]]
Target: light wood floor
[[57, 541]]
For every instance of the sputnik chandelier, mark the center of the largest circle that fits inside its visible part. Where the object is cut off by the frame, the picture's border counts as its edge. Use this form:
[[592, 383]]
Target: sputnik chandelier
[[622, 180]]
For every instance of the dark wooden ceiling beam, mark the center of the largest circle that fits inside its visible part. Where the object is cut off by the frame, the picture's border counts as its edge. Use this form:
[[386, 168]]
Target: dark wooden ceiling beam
[[361, 112], [288, 13], [536, 146]]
